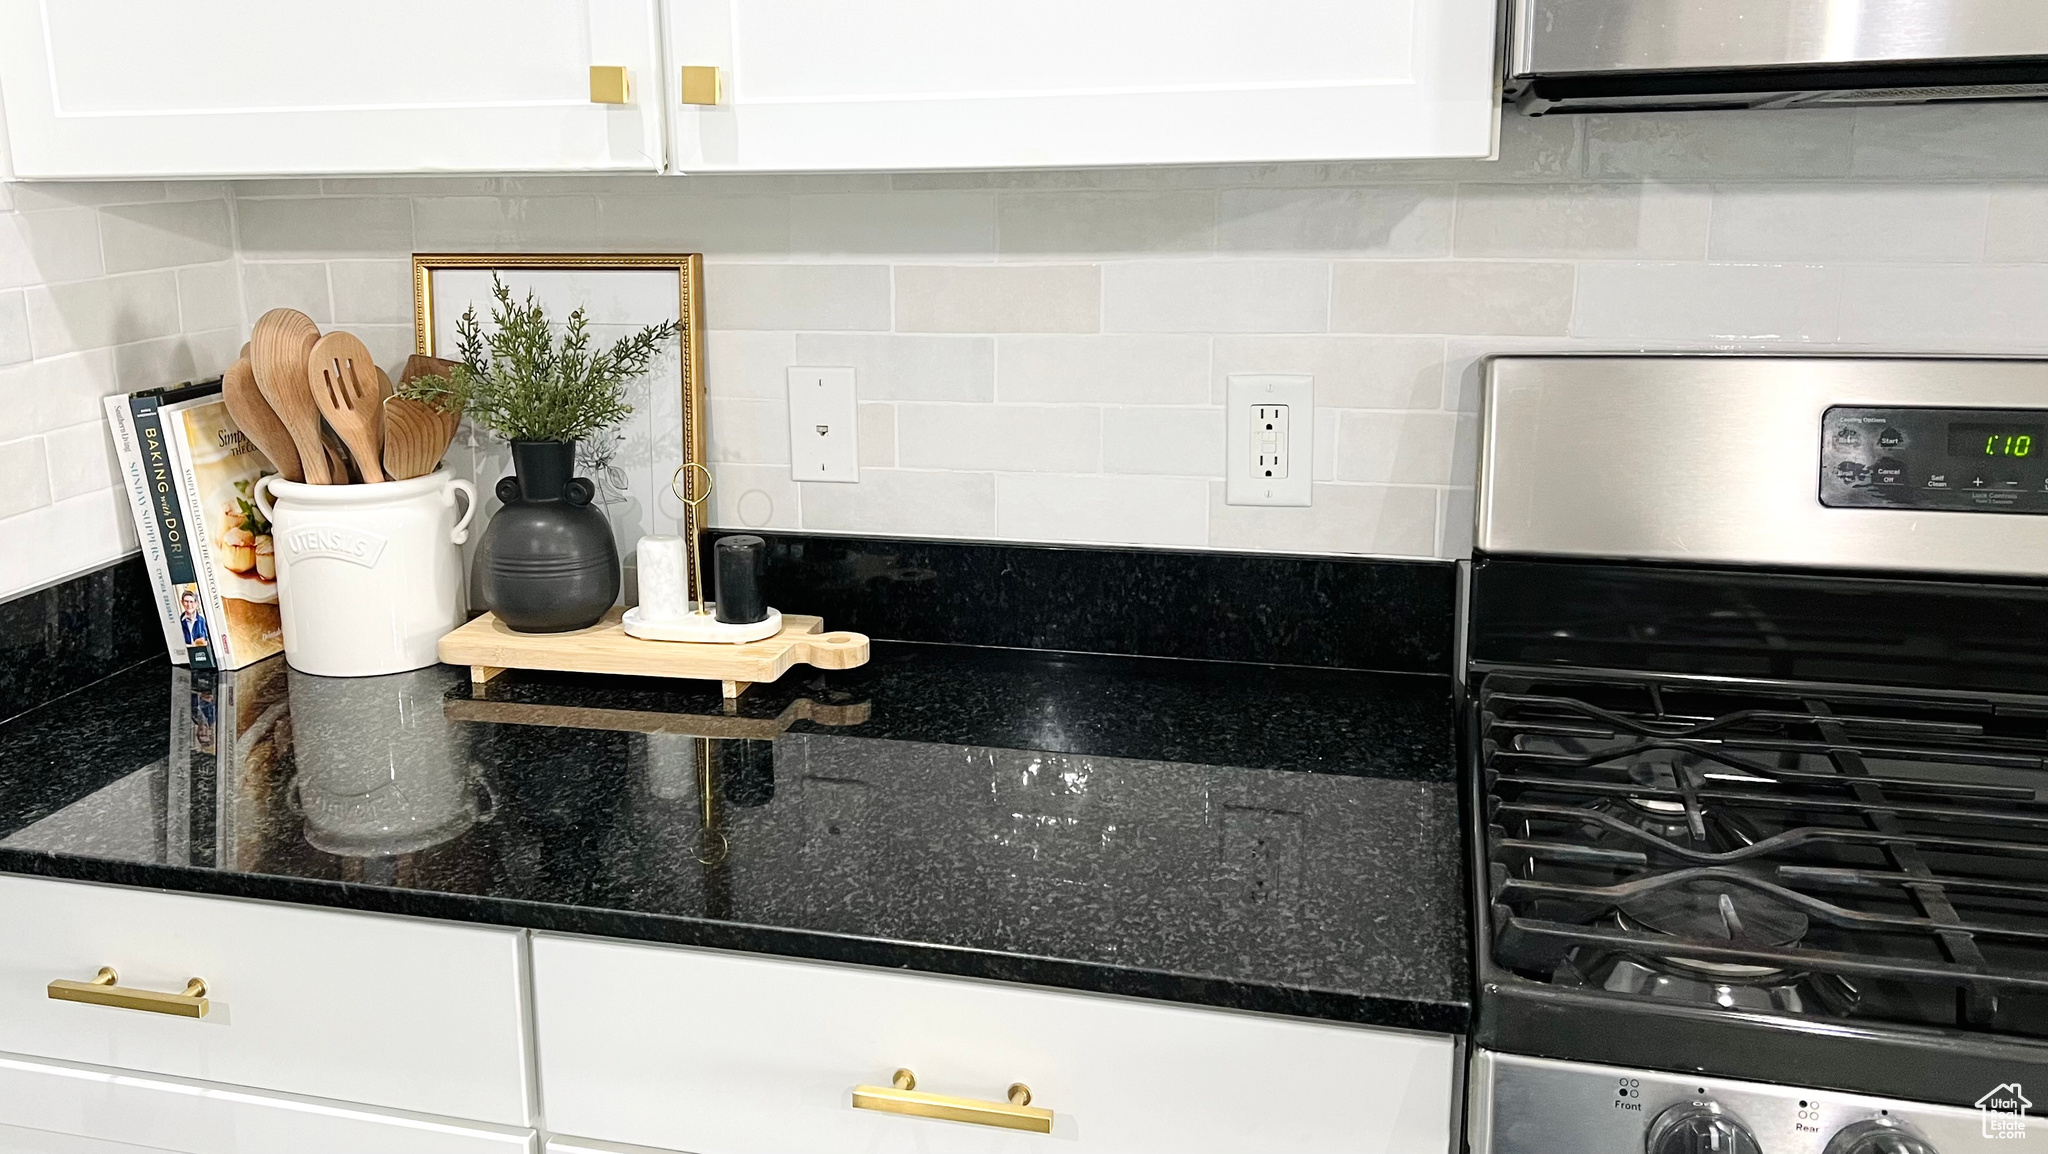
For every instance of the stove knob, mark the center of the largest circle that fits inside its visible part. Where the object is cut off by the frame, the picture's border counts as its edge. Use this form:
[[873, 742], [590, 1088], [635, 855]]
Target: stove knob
[[1878, 1136], [1700, 1127]]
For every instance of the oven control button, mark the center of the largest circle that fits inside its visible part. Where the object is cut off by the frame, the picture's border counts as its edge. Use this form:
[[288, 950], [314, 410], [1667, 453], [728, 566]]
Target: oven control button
[[1888, 471], [1852, 473], [1890, 439], [1878, 1136], [1700, 1127]]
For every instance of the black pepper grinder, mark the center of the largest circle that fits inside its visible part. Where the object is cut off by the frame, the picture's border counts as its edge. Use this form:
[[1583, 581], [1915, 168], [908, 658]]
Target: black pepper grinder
[[740, 562]]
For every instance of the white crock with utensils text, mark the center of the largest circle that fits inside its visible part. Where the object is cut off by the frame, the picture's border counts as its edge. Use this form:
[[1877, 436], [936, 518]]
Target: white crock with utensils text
[[368, 576]]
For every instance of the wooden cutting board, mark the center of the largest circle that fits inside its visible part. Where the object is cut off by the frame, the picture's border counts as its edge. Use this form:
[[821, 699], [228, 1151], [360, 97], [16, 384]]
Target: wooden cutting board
[[489, 648]]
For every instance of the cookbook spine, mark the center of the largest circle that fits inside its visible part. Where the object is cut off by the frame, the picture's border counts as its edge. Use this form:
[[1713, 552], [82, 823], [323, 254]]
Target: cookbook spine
[[167, 508], [135, 482], [200, 536]]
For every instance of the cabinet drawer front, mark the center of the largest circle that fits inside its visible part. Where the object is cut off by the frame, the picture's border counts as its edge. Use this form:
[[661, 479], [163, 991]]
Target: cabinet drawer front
[[720, 1053], [385, 1011], [65, 1110]]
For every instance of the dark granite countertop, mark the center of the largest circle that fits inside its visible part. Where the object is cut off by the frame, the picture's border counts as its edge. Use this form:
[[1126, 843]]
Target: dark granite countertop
[[1267, 838]]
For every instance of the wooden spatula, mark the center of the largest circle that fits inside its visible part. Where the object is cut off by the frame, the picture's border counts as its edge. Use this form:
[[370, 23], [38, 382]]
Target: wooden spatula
[[416, 437], [349, 393], [277, 352], [254, 417]]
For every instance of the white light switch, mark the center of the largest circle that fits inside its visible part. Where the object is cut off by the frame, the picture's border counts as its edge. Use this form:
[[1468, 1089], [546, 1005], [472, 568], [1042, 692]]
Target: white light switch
[[1270, 422], [821, 426]]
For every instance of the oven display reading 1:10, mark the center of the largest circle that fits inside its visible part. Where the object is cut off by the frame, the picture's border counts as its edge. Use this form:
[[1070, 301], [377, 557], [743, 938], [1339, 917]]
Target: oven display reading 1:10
[[1982, 441]]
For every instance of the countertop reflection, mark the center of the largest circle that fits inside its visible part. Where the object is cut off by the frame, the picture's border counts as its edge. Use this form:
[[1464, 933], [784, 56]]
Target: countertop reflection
[[1273, 839]]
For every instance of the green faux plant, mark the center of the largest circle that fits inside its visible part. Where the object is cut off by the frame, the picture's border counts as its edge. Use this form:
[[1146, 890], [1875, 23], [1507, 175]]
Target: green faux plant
[[523, 385]]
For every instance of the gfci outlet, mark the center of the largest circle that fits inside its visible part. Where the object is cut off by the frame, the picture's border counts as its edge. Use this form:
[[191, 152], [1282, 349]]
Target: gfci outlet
[[1269, 430], [821, 426]]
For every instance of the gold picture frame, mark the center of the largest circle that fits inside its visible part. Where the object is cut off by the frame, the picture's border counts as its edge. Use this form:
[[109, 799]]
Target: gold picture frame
[[689, 270]]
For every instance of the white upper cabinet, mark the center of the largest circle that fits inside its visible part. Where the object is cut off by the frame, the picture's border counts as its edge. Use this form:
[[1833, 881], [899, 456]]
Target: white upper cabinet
[[921, 84], [144, 88]]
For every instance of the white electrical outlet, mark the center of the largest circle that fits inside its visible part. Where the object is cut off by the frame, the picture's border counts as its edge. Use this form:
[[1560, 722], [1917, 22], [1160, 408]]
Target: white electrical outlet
[[1269, 428], [821, 425]]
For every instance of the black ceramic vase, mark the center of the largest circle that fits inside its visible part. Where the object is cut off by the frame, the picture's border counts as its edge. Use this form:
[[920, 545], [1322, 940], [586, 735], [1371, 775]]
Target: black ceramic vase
[[549, 562]]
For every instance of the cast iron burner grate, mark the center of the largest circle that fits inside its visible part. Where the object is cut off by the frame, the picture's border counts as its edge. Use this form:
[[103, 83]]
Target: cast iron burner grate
[[1872, 856]]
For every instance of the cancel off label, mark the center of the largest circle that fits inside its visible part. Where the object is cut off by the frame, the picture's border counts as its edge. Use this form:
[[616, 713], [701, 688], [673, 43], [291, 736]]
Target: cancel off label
[[337, 541]]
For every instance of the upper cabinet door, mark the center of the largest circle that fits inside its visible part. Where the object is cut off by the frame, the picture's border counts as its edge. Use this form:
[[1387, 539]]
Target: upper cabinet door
[[135, 88], [911, 84]]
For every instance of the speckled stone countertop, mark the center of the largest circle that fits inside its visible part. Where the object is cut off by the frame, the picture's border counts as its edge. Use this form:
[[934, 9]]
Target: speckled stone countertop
[[1267, 838]]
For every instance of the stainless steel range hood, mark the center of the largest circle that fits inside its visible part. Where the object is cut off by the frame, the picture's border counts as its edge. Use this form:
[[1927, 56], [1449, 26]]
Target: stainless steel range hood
[[1643, 55]]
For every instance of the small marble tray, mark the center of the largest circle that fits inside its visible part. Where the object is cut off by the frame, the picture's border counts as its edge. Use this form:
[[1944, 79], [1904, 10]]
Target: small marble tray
[[701, 627], [489, 648]]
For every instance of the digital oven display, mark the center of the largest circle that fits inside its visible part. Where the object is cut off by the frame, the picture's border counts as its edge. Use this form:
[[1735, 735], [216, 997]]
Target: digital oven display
[[1993, 440]]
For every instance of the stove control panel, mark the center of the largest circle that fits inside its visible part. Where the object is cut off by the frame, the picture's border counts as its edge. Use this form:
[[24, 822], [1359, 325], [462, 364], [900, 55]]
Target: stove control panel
[[1542, 1106], [1967, 460]]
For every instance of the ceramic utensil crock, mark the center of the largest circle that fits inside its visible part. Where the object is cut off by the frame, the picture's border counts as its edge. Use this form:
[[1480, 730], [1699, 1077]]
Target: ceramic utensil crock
[[368, 576]]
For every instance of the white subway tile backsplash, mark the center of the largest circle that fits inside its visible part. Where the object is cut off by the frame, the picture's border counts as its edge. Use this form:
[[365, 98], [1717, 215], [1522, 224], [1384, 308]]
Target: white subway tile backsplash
[[377, 292], [66, 318], [209, 297], [745, 363], [300, 285], [1454, 535], [325, 227], [512, 223], [1819, 223], [905, 502], [1157, 511], [797, 296], [38, 248], [1214, 296], [1106, 223], [1582, 220], [169, 360], [1939, 141], [165, 234], [1387, 220], [1990, 308], [745, 431], [891, 367], [875, 426], [81, 460], [30, 196], [1000, 438], [1415, 448], [1509, 298], [24, 480], [751, 497], [1708, 302], [1004, 299], [863, 223], [1166, 441], [721, 227], [71, 537], [51, 393], [1111, 369], [13, 329], [1350, 372], [1373, 520], [1804, 144]]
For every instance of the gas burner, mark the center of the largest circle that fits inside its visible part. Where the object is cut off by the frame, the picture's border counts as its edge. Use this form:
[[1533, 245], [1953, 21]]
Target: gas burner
[[1706, 829]]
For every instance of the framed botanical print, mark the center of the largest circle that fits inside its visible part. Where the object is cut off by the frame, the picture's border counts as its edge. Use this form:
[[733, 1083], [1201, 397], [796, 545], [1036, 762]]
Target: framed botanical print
[[639, 465]]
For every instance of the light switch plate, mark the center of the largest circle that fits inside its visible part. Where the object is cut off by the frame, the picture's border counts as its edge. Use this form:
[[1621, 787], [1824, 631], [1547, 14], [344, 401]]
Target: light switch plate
[[1258, 469], [822, 446]]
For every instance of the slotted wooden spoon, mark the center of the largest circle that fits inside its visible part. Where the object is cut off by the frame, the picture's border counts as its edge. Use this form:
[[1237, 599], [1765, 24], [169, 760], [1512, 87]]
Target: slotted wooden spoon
[[349, 392], [254, 417], [277, 352]]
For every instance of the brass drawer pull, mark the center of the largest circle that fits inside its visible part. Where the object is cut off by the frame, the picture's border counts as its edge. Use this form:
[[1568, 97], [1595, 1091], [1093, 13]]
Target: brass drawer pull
[[608, 84], [903, 1098], [102, 991]]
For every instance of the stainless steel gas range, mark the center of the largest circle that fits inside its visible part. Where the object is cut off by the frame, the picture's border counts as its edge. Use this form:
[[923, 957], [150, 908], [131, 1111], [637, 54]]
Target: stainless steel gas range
[[1757, 756]]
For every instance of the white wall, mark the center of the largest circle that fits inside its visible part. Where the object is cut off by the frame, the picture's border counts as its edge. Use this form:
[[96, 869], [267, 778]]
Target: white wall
[[104, 288], [1041, 354]]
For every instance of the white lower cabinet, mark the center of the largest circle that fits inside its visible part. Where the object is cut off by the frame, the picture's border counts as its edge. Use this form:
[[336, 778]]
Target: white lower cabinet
[[720, 1053], [392, 1012], [47, 1108]]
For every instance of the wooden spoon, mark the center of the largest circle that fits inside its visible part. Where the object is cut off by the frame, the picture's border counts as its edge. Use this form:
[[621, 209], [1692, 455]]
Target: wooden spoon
[[277, 352], [421, 365], [416, 437], [254, 417], [349, 393]]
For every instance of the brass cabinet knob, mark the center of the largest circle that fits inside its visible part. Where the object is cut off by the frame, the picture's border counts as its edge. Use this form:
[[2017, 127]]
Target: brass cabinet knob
[[608, 84], [702, 84]]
